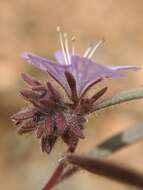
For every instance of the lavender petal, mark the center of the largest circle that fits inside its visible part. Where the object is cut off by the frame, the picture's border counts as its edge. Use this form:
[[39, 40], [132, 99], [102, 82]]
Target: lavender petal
[[126, 67], [59, 57], [55, 70], [87, 72]]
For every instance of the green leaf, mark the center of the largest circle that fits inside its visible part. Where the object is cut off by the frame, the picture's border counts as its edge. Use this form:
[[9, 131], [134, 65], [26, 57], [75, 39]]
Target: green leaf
[[122, 97], [118, 141]]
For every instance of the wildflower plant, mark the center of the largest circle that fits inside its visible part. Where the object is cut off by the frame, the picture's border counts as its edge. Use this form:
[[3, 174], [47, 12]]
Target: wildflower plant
[[51, 116]]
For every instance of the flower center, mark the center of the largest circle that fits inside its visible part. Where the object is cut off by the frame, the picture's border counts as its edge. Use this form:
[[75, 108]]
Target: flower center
[[63, 37]]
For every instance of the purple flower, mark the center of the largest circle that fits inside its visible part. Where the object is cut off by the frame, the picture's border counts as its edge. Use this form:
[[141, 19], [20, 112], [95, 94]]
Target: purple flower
[[81, 70], [48, 114]]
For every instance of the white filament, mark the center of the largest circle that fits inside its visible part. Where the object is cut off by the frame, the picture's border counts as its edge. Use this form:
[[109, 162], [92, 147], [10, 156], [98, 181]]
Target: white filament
[[62, 44], [73, 45], [88, 50], [94, 48], [67, 48]]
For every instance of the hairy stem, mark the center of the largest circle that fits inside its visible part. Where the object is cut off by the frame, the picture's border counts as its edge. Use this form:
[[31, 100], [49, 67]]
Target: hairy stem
[[122, 97], [57, 173], [55, 176]]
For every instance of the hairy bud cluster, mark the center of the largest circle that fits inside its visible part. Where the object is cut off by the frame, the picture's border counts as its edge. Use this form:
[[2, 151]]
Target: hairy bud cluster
[[48, 116]]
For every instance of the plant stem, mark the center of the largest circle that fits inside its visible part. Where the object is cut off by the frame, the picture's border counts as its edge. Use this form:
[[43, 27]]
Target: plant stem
[[55, 176], [57, 172]]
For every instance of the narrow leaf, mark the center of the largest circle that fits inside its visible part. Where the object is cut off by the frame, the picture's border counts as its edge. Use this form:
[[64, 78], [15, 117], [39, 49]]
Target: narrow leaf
[[122, 97], [111, 145], [108, 169], [119, 141]]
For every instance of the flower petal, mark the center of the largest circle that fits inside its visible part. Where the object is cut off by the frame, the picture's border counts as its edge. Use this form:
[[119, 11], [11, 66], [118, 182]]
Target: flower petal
[[59, 57], [55, 70], [126, 67], [87, 72]]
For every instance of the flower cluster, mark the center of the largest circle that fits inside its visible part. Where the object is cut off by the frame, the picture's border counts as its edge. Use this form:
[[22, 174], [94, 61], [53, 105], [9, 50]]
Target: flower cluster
[[48, 114]]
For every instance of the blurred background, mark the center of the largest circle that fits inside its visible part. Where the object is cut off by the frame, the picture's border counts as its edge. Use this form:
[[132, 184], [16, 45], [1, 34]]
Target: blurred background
[[30, 25]]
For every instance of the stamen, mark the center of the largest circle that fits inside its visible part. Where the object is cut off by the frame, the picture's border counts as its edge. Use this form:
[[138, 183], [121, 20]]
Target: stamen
[[62, 44], [67, 48], [95, 48], [73, 44], [88, 50]]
